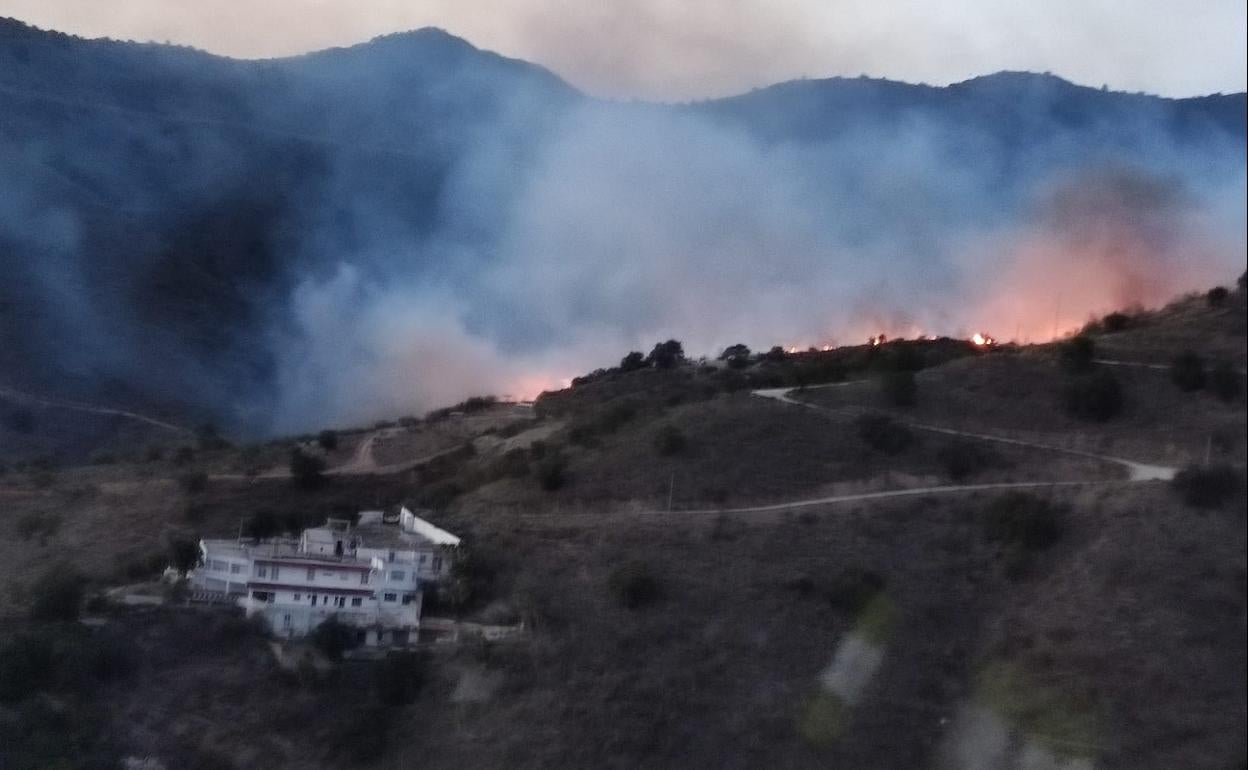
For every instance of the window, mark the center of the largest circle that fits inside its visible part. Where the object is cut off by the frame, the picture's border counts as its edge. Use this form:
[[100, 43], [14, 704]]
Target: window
[[390, 557], [271, 597], [275, 571], [286, 621], [437, 564], [341, 601], [262, 571], [327, 573], [363, 578], [390, 597], [423, 556], [313, 600], [298, 597], [218, 565], [356, 602], [235, 569], [260, 596], [408, 598], [311, 573], [397, 574]]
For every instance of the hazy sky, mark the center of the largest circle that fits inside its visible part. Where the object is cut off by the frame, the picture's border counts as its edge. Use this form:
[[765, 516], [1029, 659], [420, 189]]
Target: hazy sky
[[675, 49]]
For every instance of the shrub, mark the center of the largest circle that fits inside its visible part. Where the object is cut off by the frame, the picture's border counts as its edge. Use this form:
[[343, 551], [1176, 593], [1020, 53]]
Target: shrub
[[666, 355], [183, 554], [551, 471], [264, 524], [306, 471], [183, 455], [1096, 397], [1187, 371], [736, 356], [775, 355], [57, 594], [208, 438], [193, 482], [899, 387], [633, 361], [1115, 322], [41, 525], [1225, 381], [669, 440], [333, 637], [328, 439], [853, 589], [399, 678], [1024, 521], [633, 585], [883, 434], [1216, 297], [1206, 487], [1077, 354], [617, 415], [961, 459], [153, 454]]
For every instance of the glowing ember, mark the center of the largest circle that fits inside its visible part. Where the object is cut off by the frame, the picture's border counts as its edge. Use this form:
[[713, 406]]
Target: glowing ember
[[982, 340], [879, 339]]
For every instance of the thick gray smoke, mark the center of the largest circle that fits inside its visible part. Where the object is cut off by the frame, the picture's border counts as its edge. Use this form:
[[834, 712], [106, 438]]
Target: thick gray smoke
[[635, 224], [393, 227]]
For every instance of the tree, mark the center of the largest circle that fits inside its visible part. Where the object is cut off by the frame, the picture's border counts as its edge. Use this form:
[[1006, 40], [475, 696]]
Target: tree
[[1115, 322], [307, 471], [883, 434], [1206, 487], [1077, 354], [333, 637], [666, 355], [634, 585], [264, 524], [1096, 397], [551, 471], [1187, 370], [1217, 296], [775, 355], [58, 594], [183, 554], [633, 361], [328, 439], [737, 356], [1225, 382]]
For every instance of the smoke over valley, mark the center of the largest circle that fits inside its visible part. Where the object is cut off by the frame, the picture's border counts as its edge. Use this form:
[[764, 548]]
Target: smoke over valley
[[389, 228]]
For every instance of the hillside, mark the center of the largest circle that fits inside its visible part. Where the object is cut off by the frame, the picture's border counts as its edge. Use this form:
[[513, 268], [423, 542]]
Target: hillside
[[1083, 617], [198, 237]]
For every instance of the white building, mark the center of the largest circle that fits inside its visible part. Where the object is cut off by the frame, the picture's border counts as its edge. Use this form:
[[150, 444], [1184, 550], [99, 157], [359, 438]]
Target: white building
[[369, 575]]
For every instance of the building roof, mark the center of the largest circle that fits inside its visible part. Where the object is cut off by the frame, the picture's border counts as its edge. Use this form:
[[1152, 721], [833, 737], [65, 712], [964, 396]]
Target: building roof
[[410, 522]]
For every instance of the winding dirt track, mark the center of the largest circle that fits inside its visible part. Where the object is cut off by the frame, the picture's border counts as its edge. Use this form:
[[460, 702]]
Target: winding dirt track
[[18, 396]]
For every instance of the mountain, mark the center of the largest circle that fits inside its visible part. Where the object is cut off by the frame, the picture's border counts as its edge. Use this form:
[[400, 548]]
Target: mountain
[[172, 219]]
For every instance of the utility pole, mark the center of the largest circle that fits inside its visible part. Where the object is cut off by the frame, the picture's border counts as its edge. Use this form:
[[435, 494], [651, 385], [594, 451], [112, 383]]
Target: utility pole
[[671, 486], [1208, 449]]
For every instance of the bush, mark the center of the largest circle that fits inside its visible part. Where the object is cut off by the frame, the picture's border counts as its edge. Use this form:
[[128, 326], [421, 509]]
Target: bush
[[193, 482], [899, 387], [41, 525], [633, 585], [551, 471], [328, 439], [183, 455], [333, 637], [633, 361], [669, 440], [1024, 521], [853, 589], [1096, 397], [1206, 487], [736, 356], [306, 471], [183, 554], [1216, 297], [1187, 371], [666, 355], [57, 594], [1076, 354], [1116, 322], [1226, 382], [399, 678], [883, 434], [962, 459]]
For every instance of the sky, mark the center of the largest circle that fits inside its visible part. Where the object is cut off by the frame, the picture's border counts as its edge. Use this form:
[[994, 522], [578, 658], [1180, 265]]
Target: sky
[[686, 49]]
